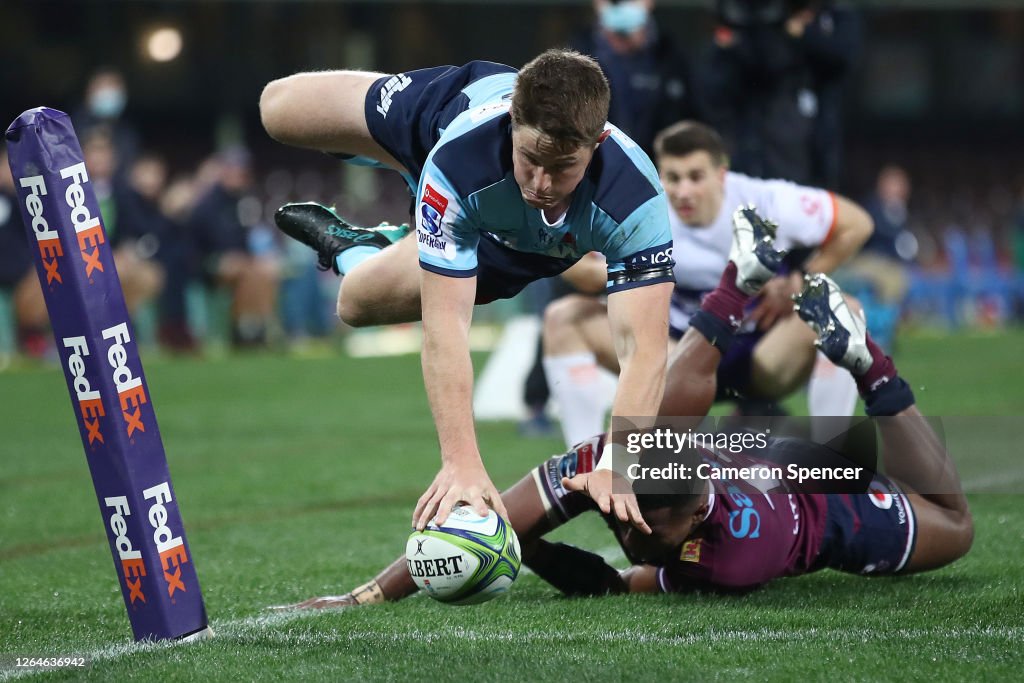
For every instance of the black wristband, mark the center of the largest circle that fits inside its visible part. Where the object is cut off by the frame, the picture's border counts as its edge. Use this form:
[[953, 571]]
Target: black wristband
[[889, 399]]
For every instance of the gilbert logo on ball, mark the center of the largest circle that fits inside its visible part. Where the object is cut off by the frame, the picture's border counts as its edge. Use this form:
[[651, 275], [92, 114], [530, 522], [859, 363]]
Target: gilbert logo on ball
[[468, 560], [109, 394]]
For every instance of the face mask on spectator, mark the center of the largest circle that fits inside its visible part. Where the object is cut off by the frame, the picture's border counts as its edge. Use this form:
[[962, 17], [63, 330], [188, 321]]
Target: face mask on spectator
[[623, 17], [107, 103]]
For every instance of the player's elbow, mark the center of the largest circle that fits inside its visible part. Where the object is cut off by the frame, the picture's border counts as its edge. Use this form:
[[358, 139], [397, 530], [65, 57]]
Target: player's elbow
[[860, 224], [966, 533], [854, 224]]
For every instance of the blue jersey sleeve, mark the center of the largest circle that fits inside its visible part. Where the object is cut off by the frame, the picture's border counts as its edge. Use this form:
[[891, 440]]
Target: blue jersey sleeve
[[446, 231], [639, 252]]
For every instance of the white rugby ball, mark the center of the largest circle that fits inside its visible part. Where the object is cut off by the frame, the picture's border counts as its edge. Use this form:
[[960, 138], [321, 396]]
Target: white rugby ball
[[469, 560]]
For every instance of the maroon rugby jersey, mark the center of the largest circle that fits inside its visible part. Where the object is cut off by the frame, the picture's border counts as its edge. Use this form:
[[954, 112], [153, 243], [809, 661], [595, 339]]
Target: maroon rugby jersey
[[749, 538]]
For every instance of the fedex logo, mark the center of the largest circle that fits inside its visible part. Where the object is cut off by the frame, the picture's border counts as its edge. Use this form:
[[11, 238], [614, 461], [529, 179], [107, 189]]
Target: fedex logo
[[171, 547], [87, 226], [129, 387], [131, 559], [89, 403], [49, 241]]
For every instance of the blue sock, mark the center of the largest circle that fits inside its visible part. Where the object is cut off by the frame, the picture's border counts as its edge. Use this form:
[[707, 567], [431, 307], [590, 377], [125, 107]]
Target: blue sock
[[353, 256]]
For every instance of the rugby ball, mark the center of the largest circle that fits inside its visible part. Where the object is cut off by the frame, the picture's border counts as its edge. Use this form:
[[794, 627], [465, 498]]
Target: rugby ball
[[468, 560]]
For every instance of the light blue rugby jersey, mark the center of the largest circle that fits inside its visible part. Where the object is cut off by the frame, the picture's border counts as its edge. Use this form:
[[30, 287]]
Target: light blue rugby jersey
[[467, 188]]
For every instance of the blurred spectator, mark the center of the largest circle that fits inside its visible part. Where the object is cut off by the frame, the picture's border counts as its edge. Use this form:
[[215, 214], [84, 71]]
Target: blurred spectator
[[141, 202], [774, 82], [304, 307], [1017, 238], [232, 251], [649, 75], [18, 278], [132, 239], [105, 98], [878, 275]]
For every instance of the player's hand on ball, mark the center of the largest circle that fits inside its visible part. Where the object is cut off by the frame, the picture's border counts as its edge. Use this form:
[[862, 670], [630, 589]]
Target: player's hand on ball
[[599, 485], [467, 484]]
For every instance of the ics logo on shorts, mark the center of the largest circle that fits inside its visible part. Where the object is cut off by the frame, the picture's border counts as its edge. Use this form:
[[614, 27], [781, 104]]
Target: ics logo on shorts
[[879, 496], [432, 210]]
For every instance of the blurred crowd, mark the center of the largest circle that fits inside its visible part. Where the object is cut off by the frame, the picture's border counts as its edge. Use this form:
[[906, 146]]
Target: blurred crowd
[[195, 247]]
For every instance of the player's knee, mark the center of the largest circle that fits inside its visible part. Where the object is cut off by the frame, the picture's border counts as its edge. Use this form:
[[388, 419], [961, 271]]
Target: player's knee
[[274, 109], [354, 312], [560, 319]]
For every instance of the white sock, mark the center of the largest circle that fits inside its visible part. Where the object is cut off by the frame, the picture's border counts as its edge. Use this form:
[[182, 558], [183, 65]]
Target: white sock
[[832, 391], [576, 386]]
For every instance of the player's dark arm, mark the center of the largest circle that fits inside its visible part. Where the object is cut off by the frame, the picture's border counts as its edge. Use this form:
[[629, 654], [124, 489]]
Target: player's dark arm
[[573, 571], [916, 457], [690, 382]]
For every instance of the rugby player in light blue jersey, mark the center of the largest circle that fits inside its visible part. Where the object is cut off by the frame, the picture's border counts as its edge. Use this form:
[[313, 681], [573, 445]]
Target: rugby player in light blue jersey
[[516, 176]]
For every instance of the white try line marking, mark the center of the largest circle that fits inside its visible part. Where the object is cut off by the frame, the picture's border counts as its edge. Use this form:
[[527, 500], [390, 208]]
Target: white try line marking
[[268, 626]]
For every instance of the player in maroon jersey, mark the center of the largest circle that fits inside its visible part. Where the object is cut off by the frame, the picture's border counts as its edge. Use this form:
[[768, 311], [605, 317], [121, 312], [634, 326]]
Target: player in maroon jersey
[[739, 534]]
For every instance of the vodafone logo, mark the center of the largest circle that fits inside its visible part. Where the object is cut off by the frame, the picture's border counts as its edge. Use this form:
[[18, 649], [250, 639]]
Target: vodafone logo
[[879, 497]]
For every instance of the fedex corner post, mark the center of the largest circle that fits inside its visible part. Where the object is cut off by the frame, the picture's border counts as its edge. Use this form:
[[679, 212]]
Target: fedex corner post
[[109, 394]]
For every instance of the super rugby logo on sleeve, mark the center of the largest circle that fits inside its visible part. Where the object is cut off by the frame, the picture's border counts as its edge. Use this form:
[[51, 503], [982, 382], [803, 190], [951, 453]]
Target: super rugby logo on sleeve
[[433, 208]]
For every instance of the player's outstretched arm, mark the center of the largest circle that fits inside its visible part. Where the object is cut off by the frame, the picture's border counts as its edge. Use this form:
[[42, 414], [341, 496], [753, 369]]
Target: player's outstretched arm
[[530, 519], [448, 377], [639, 324]]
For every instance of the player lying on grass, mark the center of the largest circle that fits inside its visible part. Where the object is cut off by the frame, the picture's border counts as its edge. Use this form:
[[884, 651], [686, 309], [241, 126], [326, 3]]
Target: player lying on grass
[[730, 535], [773, 354], [516, 176]]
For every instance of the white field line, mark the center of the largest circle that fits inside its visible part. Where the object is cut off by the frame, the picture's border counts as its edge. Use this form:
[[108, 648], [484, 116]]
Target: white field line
[[997, 480], [268, 626]]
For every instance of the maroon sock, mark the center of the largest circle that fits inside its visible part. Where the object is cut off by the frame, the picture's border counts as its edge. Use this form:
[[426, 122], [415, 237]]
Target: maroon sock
[[726, 302], [881, 371]]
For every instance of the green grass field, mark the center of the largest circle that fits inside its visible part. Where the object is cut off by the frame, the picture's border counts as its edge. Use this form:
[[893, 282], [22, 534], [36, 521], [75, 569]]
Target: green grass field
[[297, 478]]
